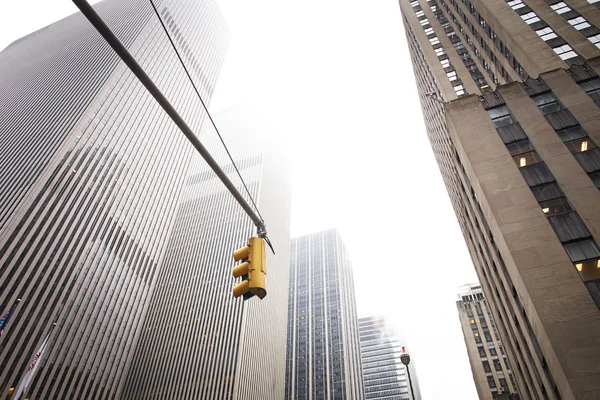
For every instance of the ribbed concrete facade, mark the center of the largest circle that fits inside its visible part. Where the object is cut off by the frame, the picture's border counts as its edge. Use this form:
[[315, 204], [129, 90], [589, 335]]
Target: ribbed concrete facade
[[323, 348], [509, 92], [489, 364], [384, 374], [91, 173], [198, 341]]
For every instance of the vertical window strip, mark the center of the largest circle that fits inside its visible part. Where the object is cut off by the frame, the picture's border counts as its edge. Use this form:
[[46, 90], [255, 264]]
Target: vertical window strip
[[564, 219], [461, 49], [443, 59], [583, 148]]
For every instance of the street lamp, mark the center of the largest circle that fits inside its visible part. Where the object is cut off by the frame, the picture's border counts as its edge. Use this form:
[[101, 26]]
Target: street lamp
[[405, 358]]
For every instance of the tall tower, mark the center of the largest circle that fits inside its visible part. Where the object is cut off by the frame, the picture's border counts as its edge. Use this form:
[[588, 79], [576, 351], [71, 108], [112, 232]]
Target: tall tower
[[490, 367], [323, 349], [91, 173], [384, 373], [509, 91], [198, 341]]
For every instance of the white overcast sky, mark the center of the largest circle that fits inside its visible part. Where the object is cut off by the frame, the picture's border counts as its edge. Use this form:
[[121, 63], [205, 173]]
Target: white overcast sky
[[335, 77]]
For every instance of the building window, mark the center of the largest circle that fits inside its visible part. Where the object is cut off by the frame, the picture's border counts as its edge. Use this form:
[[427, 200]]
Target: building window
[[592, 88], [530, 18], [585, 249], [525, 159], [580, 145], [571, 133], [500, 116], [595, 39], [560, 7], [565, 52], [547, 103], [516, 4], [555, 206], [579, 23], [546, 33]]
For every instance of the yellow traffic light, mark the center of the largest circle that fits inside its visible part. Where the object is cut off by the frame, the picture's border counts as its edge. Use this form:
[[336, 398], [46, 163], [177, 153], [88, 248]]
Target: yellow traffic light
[[253, 269]]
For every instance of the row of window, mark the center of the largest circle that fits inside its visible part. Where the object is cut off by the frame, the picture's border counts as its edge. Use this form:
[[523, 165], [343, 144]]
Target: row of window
[[546, 33], [576, 20]]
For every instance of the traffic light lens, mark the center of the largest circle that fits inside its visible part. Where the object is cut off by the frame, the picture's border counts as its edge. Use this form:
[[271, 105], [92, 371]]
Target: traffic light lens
[[241, 288]]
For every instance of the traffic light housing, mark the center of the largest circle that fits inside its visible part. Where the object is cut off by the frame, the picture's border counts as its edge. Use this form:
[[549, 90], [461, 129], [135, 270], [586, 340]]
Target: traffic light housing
[[253, 270]]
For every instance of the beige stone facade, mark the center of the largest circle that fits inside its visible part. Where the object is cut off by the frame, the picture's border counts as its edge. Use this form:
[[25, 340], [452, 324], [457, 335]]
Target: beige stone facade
[[510, 94], [490, 366]]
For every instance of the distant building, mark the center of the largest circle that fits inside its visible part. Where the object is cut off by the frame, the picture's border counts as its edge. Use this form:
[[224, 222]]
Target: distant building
[[323, 349], [198, 341], [384, 374], [489, 364], [510, 94]]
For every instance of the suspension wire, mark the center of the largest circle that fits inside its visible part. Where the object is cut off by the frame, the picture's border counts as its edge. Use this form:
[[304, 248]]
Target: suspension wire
[[204, 105]]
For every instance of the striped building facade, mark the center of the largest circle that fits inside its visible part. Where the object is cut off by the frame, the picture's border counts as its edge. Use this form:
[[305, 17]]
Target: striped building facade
[[491, 371], [323, 349], [91, 171], [384, 374], [198, 341], [510, 93]]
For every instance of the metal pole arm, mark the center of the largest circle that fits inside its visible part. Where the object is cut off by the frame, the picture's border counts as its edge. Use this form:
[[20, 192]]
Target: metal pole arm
[[139, 72]]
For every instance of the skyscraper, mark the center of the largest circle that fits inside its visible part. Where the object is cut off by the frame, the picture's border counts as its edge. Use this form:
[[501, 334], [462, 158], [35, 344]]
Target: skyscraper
[[490, 367], [91, 173], [198, 341], [384, 374], [509, 92], [323, 349]]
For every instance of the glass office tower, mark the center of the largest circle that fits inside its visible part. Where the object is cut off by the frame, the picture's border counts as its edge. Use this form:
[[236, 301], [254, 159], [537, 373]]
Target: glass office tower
[[91, 171], [198, 341], [509, 92], [323, 349], [384, 374]]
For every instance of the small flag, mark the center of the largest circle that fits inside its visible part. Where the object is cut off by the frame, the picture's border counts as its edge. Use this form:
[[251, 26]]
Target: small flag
[[32, 368], [4, 320]]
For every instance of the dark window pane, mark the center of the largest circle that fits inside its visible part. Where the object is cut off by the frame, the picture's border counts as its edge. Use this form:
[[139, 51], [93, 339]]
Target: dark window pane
[[596, 179], [594, 289], [511, 133], [543, 99], [568, 226], [572, 133], [589, 160], [522, 146], [556, 206], [582, 250], [500, 116], [547, 192], [537, 174], [561, 119]]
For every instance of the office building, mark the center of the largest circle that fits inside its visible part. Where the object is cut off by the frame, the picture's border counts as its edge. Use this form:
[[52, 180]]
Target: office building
[[489, 364], [384, 375], [91, 173], [198, 341], [509, 92], [323, 348]]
